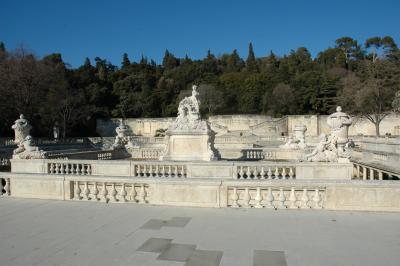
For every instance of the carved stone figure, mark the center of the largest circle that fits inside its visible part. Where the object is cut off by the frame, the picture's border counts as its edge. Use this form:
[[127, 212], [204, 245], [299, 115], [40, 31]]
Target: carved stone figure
[[189, 114], [26, 148], [298, 141], [122, 137], [21, 129], [189, 137], [332, 148], [325, 151], [30, 151]]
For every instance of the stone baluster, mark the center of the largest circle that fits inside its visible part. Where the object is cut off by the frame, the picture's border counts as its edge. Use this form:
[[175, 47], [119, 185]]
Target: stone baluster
[[248, 173], [292, 199], [86, 191], [241, 173], [175, 171], [62, 168], [67, 169], [364, 173], [122, 193], [270, 199], [247, 198], [77, 191], [163, 171], [169, 170], [317, 199], [113, 194], [235, 198], [269, 173], [304, 199], [358, 171], [284, 173], [104, 193], [132, 193], [371, 174], [51, 169], [291, 173], [1, 186], [282, 199], [255, 173], [57, 168], [262, 173], [142, 194], [258, 198], [89, 169], [380, 175], [95, 191], [276, 174], [7, 187]]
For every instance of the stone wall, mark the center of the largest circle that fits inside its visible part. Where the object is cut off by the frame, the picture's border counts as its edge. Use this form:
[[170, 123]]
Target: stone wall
[[259, 125]]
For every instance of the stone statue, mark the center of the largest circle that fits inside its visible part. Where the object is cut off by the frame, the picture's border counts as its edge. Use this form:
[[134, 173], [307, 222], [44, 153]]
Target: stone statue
[[298, 142], [189, 114], [26, 148], [122, 137], [56, 131], [30, 151], [189, 137], [333, 148], [325, 151], [21, 129]]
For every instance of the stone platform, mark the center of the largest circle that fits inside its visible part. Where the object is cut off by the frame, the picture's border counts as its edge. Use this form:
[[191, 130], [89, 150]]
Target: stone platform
[[43, 232]]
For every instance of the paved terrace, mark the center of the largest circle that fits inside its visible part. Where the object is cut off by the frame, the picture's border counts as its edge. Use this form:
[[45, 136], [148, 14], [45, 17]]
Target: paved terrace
[[40, 232]]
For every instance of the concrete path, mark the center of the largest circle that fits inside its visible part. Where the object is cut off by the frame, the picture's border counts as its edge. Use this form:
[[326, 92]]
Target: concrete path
[[40, 232]]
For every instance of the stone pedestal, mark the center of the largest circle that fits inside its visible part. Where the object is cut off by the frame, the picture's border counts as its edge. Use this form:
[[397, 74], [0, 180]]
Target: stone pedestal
[[188, 146]]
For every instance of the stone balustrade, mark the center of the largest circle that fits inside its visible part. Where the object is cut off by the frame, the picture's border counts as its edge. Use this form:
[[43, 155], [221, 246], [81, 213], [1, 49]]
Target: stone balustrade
[[370, 172], [171, 169], [265, 172], [100, 191], [276, 197], [4, 162], [253, 154], [159, 170], [5, 187], [66, 167]]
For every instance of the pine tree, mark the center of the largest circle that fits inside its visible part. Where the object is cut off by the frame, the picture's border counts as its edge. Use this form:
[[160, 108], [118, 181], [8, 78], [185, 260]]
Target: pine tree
[[251, 63], [125, 60], [2, 47]]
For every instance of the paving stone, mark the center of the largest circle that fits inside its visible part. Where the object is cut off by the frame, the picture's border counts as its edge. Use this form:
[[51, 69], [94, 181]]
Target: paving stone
[[178, 222], [204, 258], [177, 252], [153, 224], [157, 245], [269, 258]]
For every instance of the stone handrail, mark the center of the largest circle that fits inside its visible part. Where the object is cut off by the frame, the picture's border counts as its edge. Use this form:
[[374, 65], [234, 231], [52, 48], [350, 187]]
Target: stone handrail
[[66, 167]]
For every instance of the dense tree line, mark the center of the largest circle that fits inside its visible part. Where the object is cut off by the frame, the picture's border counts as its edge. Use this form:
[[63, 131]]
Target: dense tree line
[[363, 78]]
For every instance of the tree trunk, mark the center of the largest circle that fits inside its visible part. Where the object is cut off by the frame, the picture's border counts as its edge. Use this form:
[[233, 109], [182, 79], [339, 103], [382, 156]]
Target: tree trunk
[[377, 129]]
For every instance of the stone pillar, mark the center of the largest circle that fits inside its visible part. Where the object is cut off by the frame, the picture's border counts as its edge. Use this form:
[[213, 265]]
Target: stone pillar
[[364, 173]]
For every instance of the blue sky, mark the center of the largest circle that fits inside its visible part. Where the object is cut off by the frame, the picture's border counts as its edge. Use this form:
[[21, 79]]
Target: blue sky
[[79, 29]]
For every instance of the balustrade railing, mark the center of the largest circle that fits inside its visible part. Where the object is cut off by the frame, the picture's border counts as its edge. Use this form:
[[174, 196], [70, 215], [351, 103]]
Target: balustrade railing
[[68, 168], [253, 154], [368, 172], [160, 170], [110, 191], [265, 172], [5, 187], [276, 197], [4, 162]]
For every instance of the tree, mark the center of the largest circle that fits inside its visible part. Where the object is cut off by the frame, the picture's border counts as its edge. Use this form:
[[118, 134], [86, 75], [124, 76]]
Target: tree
[[251, 63], [125, 60], [211, 98], [281, 101], [373, 97]]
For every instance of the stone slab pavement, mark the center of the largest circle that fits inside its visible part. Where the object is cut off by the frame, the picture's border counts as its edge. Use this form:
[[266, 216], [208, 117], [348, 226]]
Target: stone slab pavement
[[44, 232]]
